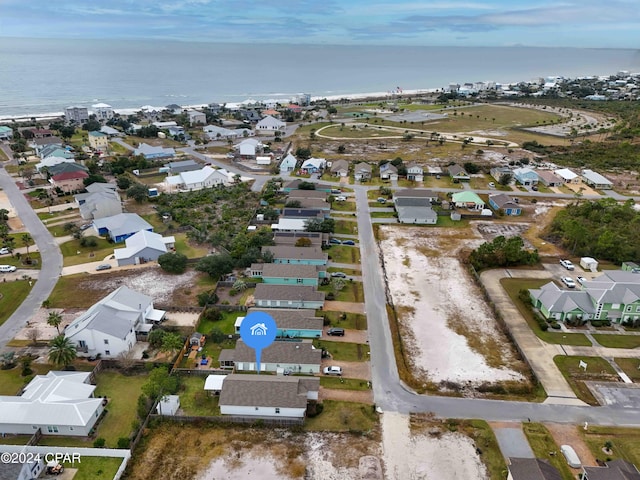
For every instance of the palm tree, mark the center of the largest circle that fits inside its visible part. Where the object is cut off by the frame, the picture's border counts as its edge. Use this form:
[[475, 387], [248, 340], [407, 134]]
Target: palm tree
[[26, 241], [55, 319], [62, 351]]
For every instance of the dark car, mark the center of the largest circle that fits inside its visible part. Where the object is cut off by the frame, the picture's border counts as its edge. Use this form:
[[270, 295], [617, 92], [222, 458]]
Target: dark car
[[336, 332], [104, 266], [335, 241], [348, 242]]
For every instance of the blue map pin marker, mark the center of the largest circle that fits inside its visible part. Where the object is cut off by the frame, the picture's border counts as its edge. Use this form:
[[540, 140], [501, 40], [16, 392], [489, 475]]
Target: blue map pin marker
[[258, 330]]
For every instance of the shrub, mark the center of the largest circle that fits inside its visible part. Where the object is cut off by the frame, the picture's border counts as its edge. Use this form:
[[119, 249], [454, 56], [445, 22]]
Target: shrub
[[124, 442], [205, 298], [99, 442]]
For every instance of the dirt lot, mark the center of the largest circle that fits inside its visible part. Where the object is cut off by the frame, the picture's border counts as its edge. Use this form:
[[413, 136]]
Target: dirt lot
[[450, 333], [568, 435]]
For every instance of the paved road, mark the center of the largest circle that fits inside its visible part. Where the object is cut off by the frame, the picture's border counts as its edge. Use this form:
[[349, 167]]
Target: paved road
[[49, 253]]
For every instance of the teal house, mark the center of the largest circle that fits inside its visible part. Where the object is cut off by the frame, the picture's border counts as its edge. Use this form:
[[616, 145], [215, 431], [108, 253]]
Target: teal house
[[287, 274], [291, 323], [297, 255]]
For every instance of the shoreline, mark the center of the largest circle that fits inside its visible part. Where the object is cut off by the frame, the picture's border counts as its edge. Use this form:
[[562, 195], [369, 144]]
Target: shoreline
[[133, 110]]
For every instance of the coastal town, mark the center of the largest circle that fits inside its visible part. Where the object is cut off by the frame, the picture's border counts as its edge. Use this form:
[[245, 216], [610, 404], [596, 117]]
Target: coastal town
[[454, 276]]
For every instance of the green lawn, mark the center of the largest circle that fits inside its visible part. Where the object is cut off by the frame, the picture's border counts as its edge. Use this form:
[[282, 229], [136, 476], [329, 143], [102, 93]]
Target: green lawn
[[513, 286], [340, 383], [13, 294], [344, 254], [12, 381], [346, 227], [13, 260], [626, 442], [597, 369], [618, 341], [226, 324], [630, 366], [95, 468], [194, 400], [389, 214], [542, 444], [347, 271], [344, 351], [344, 206], [352, 292], [87, 254], [188, 247], [354, 321], [57, 230], [62, 296], [339, 416]]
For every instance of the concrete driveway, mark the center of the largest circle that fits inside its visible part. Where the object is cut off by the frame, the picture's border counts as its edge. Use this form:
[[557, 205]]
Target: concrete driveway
[[512, 440]]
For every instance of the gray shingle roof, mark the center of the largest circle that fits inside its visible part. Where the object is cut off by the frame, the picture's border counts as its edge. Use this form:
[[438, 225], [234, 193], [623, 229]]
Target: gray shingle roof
[[300, 318], [294, 293], [298, 253], [267, 390], [290, 238], [533, 469], [285, 270], [615, 470], [284, 352]]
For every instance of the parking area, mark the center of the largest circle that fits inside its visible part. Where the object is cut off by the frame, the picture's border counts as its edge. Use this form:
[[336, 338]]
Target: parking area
[[615, 394]]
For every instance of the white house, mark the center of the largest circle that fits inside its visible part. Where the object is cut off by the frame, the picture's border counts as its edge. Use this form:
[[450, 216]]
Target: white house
[[267, 396], [102, 111], [143, 246], [567, 175], [288, 164], [595, 180], [58, 403], [313, 165], [269, 125], [197, 179], [196, 117], [415, 172], [109, 327], [249, 147]]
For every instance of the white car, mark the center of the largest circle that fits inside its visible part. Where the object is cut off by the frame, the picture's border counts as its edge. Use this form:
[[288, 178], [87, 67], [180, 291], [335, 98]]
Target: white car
[[581, 280], [568, 281], [7, 268], [4, 251], [492, 185], [333, 370], [341, 198], [567, 264]]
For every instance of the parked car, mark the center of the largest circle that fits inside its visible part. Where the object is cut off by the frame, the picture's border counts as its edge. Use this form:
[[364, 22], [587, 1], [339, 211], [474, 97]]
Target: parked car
[[84, 226], [348, 242], [341, 198], [333, 370], [338, 274], [382, 200], [336, 190], [335, 241], [336, 332], [571, 456], [104, 266], [492, 185], [7, 268], [581, 280], [4, 251], [567, 264], [568, 281], [534, 188]]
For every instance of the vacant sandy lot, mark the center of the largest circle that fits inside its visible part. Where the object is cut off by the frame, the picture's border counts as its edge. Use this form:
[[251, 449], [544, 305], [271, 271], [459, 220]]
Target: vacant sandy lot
[[451, 334]]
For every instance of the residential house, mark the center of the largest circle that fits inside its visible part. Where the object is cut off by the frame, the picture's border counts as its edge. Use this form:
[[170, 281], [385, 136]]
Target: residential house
[[143, 247], [182, 166], [295, 185], [417, 215], [64, 167], [98, 141], [111, 132], [197, 179], [287, 296], [29, 468], [290, 323], [121, 226], [308, 194], [414, 206], [55, 150], [568, 176], [414, 197], [388, 171], [50, 162], [287, 274], [362, 172], [39, 143], [312, 203], [525, 176], [249, 148], [102, 111], [41, 132], [101, 200], [612, 470], [150, 152], [415, 172], [165, 125], [317, 239], [340, 168], [69, 182], [468, 200], [313, 165], [6, 133], [531, 469], [296, 357], [178, 133], [595, 180], [457, 173], [78, 115], [196, 118], [290, 225], [270, 125], [498, 172], [549, 178], [297, 255], [505, 204], [58, 403], [267, 396], [110, 326], [288, 164], [214, 132], [305, 213]]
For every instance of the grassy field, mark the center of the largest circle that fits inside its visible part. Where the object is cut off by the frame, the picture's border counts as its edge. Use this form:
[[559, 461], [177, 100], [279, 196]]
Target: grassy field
[[344, 254], [340, 383], [618, 341], [352, 292], [626, 442], [597, 369], [346, 227], [343, 417], [630, 366], [194, 400], [389, 214], [187, 247], [61, 298], [35, 257], [354, 321], [87, 254], [513, 287], [344, 351], [226, 324], [542, 444], [13, 294], [343, 206], [347, 271], [95, 468]]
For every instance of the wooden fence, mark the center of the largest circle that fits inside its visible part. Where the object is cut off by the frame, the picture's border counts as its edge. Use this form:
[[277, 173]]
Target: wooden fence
[[227, 419]]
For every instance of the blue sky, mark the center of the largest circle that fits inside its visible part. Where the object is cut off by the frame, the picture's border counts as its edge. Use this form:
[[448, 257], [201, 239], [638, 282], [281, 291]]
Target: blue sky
[[572, 23]]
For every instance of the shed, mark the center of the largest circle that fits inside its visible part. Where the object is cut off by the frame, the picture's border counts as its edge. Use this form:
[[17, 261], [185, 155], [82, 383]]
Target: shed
[[196, 339], [168, 405], [213, 383], [589, 263]]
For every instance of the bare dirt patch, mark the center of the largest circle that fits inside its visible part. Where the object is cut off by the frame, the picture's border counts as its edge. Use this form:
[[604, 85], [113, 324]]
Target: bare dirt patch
[[568, 435], [451, 335]]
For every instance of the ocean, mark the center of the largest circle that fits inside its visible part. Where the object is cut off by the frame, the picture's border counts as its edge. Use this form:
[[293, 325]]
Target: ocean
[[40, 76]]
